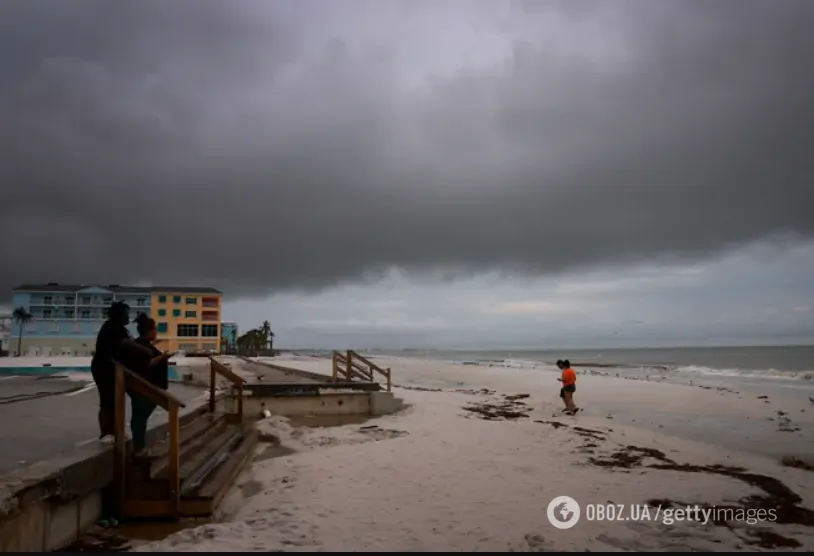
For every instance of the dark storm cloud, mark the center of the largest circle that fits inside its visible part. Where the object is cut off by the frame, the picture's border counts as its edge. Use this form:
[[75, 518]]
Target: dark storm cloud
[[251, 146]]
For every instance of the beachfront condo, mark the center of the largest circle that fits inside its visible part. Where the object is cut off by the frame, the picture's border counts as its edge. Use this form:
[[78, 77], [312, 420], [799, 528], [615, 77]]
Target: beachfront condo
[[66, 318]]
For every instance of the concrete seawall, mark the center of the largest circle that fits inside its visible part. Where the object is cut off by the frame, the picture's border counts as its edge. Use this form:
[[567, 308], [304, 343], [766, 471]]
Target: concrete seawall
[[48, 504]]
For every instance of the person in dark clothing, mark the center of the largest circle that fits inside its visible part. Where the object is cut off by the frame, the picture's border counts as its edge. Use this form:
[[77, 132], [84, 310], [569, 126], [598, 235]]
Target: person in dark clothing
[[153, 366], [102, 366]]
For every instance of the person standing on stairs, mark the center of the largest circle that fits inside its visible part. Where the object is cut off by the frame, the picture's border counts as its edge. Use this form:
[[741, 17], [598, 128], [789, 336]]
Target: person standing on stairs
[[153, 366], [112, 340]]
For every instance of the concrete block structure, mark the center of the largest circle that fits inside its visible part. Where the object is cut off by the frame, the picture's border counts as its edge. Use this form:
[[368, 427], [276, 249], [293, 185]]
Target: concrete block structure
[[66, 318]]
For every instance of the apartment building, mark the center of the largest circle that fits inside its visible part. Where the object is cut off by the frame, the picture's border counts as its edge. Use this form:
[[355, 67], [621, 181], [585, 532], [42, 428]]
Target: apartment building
[[188, 319], [66, 318], [5, 332]]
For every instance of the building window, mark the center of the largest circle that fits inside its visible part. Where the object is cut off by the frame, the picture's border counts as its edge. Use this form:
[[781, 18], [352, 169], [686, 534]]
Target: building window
[[47, 300], [176, 299], [209, 330], [162, 298], [190, 314], [176, 312], [141, 301], [188, 348], [84, 313], [162, 327], [68, 313], [192, 300], [85, 300], [210, 347], [46, 313], [107, 300], [187, 331], [162, 312]]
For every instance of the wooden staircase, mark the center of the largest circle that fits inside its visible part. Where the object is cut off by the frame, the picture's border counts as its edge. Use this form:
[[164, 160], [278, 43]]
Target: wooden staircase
[[351, 366], [188, 473]]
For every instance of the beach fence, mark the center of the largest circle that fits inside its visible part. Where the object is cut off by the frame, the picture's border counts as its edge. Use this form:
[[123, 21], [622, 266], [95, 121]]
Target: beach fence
[[350, 366]]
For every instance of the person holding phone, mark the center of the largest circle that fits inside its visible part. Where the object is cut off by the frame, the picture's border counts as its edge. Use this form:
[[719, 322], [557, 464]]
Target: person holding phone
[[569, 386], [154, 368]]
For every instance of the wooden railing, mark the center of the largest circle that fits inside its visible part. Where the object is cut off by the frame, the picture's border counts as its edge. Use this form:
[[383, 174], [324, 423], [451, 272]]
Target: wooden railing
[[350, 365], [217, 368], [128, 380]]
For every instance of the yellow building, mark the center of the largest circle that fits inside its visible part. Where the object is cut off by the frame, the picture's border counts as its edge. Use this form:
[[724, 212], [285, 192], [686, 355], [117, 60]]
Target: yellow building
[[188, 319]]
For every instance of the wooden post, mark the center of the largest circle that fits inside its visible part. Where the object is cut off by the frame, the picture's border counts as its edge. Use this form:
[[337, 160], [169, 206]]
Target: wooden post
[[240, 402], [389, 374], [348, 365], [211, 387], [334, 363], [175, 461], [119, 452]]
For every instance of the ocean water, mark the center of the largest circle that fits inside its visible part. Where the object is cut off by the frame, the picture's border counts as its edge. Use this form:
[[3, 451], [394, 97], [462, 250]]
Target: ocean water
[[772, 362]]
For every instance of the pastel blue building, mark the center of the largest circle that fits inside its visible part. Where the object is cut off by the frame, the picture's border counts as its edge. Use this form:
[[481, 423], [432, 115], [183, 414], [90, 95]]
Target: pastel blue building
[[66, 319]]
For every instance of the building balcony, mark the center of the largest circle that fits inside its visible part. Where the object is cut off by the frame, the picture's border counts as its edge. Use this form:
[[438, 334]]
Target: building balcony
[[210, 316], [210, 302]]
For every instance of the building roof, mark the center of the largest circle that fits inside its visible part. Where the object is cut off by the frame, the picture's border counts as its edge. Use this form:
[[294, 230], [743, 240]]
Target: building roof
[[115, 288]]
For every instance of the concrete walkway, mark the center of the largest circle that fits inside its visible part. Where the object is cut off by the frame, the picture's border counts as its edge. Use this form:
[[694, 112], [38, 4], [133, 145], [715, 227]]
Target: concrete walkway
[[42, 416], [269, 373]]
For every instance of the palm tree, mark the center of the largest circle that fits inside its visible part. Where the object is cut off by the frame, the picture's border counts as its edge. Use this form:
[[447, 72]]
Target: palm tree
[[23, 317], [268, 335]]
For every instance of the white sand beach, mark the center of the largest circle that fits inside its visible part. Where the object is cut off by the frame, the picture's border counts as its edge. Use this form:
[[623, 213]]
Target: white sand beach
[[439, 476]]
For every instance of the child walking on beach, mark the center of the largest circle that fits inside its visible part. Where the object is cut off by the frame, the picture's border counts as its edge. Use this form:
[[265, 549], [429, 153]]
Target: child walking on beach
[[569, 386]]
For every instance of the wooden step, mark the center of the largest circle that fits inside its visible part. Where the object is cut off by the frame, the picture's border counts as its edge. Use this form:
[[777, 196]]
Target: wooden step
[[214, 449], [192, 448], [198, 465], [189, 432], [201, 499]]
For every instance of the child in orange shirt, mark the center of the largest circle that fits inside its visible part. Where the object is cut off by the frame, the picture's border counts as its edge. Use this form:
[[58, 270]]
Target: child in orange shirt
[[569, 386]]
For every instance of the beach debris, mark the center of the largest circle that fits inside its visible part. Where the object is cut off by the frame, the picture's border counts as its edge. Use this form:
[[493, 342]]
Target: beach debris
[[811, 399], [480, 392], [555, 424], [784, 424], [797, 463], [375, 432], [498, 411], [515, 397], [418, 388], [763, 397], [776, 495]]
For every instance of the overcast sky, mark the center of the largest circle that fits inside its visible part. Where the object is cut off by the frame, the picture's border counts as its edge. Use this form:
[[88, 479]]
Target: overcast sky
[[422, 173]]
